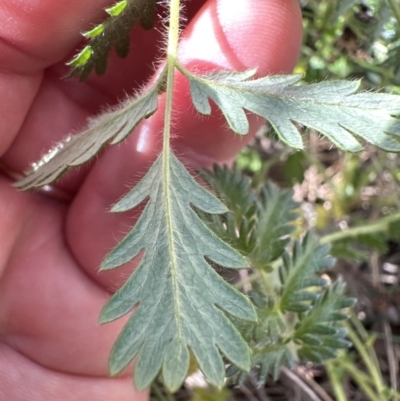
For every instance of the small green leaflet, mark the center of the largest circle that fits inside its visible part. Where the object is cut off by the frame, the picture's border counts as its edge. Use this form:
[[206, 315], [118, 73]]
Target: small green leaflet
[[299, 315], [298, 273], [115, 31], [318, 333], [275, 222], [111, 127], [181, 301], [331, 108], [260, 221]]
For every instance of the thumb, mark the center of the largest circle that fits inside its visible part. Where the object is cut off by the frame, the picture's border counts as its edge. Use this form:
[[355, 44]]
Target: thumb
[[227, 35]]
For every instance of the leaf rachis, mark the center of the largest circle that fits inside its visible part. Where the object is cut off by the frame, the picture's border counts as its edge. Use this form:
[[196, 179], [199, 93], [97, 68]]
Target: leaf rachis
[[187, 310]]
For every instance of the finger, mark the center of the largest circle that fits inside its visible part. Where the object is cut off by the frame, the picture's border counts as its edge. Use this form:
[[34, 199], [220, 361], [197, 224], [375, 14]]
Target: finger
[[198, 139], [236, 35], [37, 35], [49, 308], [32, 37], [22, 379], [40, 116], [62, 107]]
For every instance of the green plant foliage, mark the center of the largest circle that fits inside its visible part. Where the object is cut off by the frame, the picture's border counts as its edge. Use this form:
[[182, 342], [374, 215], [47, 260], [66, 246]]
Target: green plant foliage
[[294, 168], [182, 300], [276, 215], [234, 189], [355, 242], [259, 223], [299, 312], [297, 274], [318, 332], [111, 127], [329, 107], [297, 321], [211, 394], [266, 360], [343, 6], [238, 226], [115, 31], [363, 42]]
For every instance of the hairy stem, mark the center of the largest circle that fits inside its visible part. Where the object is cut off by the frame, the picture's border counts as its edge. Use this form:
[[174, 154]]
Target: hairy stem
[[172, 54], [381, 226]]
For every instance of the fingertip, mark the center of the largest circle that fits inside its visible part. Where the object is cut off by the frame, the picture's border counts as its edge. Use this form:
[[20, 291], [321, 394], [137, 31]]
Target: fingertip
[[263, 34], [266, 34], [233, 35]]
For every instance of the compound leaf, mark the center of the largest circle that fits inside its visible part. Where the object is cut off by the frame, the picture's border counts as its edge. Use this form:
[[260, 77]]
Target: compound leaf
[[111, 127], [115, 31], [331, 108], [277, 213], [182, 303], [299, 319], [296, 273], [260, 221], [322, 322], [234, 189]]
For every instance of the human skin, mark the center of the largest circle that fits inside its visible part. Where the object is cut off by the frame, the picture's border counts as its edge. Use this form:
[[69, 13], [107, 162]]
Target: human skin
[[51, 292]]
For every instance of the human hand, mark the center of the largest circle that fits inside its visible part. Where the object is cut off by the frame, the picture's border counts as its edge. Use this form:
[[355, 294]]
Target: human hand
[[51, 292]]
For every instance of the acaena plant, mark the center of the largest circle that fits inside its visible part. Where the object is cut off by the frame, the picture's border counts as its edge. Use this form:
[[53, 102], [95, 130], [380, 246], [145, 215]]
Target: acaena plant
[[290, 313]]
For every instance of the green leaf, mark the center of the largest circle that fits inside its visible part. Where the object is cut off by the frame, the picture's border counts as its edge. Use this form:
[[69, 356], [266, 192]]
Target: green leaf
[[111, 127], [294, 168], [181, 301], [318, 331], [275, 220], [308, 258], [260, 223], [272, 358], [331, 108], [316, 354], [234, 189], [237, 227], [268, 330], [266, 360], [298, 318], [115, 31]]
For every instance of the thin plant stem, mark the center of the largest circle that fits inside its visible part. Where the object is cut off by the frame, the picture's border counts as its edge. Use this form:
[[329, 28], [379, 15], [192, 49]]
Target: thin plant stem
[[172, 53], [335, 381], [380, 226], [170, 396], [368, 361], [158, 393], [394, 5], [392, 360], [362, 380]]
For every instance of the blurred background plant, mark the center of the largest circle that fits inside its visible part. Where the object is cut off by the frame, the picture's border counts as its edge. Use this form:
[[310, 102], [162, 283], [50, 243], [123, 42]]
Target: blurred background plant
[[351, 200]]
